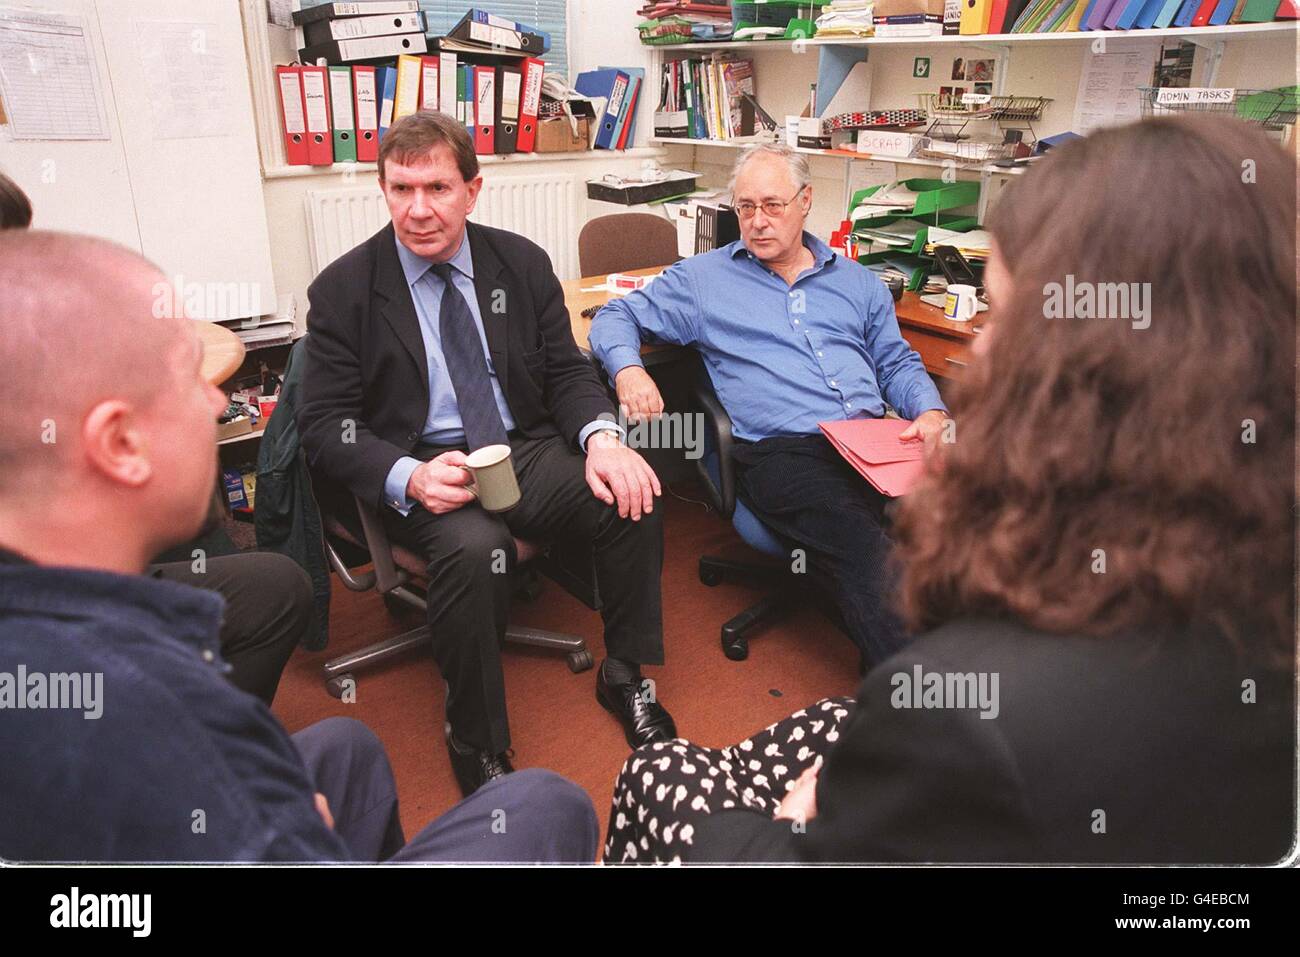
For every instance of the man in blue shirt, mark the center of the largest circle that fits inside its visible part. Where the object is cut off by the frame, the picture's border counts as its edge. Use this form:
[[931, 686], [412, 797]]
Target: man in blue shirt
[[792, 335], [121, 737]]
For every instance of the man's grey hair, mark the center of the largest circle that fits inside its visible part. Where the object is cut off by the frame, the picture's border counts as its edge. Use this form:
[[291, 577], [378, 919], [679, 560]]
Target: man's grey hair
[[797, 162]]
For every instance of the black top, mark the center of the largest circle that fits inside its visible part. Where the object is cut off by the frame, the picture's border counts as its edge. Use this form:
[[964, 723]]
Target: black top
[[1128, 749]]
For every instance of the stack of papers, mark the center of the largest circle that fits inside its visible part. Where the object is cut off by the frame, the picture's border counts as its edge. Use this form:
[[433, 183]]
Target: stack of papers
[[703, 21], [270, 330], [901, 232], [973, 245], [846, 18], [892, 198], [872, 447]]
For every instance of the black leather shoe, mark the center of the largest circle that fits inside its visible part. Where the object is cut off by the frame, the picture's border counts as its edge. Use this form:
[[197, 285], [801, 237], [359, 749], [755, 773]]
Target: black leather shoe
[[474, 768], [644, 721]]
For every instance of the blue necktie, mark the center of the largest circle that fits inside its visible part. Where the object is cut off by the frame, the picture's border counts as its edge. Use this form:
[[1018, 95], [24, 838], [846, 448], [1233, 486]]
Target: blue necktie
[[462, 350]]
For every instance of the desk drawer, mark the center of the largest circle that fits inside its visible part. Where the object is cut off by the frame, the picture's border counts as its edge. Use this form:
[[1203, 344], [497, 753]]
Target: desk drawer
[[941, 355]]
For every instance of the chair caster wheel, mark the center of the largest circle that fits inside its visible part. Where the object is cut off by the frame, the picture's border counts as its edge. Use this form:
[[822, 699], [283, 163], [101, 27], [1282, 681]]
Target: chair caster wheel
[[396, 607], [530, 589], [737, 649], [341, 683], [580, 661], [710, 576]]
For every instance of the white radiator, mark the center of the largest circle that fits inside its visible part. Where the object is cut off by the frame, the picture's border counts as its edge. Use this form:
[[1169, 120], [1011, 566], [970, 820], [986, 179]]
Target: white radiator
[[545, 208]]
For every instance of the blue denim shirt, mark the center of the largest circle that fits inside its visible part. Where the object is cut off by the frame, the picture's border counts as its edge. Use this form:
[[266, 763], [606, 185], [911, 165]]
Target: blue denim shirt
[[782, 358], [178, 765]]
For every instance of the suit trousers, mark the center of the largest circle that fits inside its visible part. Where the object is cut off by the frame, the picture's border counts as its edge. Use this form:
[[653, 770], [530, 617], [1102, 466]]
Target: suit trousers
[[268, 611], [804, 491], [471, 554], [531, 816]]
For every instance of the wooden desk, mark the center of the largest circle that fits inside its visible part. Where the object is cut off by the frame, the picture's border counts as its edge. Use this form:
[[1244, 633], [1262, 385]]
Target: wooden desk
[[942, 344], [576, 300], [223, 352]]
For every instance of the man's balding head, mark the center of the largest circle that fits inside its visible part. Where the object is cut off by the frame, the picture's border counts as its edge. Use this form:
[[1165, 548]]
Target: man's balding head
[[78, 328], [105, 411]]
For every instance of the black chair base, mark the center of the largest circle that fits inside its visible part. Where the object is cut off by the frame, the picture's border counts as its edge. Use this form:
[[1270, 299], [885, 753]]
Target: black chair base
[[784, 593], [340, 672]]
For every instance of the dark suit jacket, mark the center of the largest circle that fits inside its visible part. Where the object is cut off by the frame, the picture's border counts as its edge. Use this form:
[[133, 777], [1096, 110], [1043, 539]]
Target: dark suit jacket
[[366, 378], [1154, 734]]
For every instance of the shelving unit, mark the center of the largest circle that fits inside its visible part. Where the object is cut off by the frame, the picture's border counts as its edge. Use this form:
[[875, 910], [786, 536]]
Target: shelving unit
[[1210, 38], [998, 39], [847, 156]]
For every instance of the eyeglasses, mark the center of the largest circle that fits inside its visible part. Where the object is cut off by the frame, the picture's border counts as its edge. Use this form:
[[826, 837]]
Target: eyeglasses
[[770, 207]]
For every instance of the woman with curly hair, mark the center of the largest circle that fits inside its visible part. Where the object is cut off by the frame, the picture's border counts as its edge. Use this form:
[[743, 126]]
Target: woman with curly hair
[[1102, 564]]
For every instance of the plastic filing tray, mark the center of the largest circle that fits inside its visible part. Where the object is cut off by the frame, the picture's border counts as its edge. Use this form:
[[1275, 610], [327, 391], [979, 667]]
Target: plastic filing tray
[[935, 199], [935, 196]]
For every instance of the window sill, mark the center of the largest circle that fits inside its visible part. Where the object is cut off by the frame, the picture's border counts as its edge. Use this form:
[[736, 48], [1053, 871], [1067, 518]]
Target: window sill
[[336, 169]]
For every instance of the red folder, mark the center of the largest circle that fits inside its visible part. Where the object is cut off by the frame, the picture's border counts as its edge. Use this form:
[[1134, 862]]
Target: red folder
[[1288, 10], [365, 107], [293, 123], [429, 82], [997, 13], [530, 104], [316, 103], [485, 116], [1204, 12], [872, 447], [629, 120]]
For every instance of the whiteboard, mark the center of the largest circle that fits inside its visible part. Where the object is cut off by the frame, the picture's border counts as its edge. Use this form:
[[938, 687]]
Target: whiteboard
[[178, 178]]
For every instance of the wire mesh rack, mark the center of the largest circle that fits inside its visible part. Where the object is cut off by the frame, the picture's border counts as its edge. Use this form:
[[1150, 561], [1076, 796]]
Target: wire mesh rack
[[1268, 108], [963, 151], [950, 113]]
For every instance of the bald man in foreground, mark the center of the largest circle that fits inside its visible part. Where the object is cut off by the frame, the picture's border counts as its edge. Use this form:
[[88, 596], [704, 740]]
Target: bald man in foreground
[[120, 740]]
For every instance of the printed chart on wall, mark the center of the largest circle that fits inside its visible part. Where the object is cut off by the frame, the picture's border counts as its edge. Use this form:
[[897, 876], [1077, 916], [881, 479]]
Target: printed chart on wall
[[48, 77], [186, 69], [1108, 86]]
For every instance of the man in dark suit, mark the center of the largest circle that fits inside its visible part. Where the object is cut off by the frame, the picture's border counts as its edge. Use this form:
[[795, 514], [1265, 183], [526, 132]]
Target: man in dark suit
[[437, 336]]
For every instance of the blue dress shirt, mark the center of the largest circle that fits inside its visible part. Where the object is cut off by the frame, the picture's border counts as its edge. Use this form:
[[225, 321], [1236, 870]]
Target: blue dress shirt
[[443, 425], [782, 357]]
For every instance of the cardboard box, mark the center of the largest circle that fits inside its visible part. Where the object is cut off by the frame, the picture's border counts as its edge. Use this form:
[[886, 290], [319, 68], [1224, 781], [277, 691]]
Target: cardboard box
[[239, 425], [236, 496], [814, 134], [556, 136]]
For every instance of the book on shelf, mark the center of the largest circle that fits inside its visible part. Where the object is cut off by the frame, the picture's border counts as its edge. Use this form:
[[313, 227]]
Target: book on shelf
[[706, 98], [909, 25]]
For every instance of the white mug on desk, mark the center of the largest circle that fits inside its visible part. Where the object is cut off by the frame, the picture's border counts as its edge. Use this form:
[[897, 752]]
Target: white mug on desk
[[960, 305]]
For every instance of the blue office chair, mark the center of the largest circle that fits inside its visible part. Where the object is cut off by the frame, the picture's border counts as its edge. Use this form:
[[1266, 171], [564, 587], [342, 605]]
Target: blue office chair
[[718, 475]]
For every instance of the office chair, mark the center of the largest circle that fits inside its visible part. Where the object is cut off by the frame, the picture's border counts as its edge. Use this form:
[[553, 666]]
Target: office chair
[[624, 241], [787, 589], [397, 569], [718, 473]]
